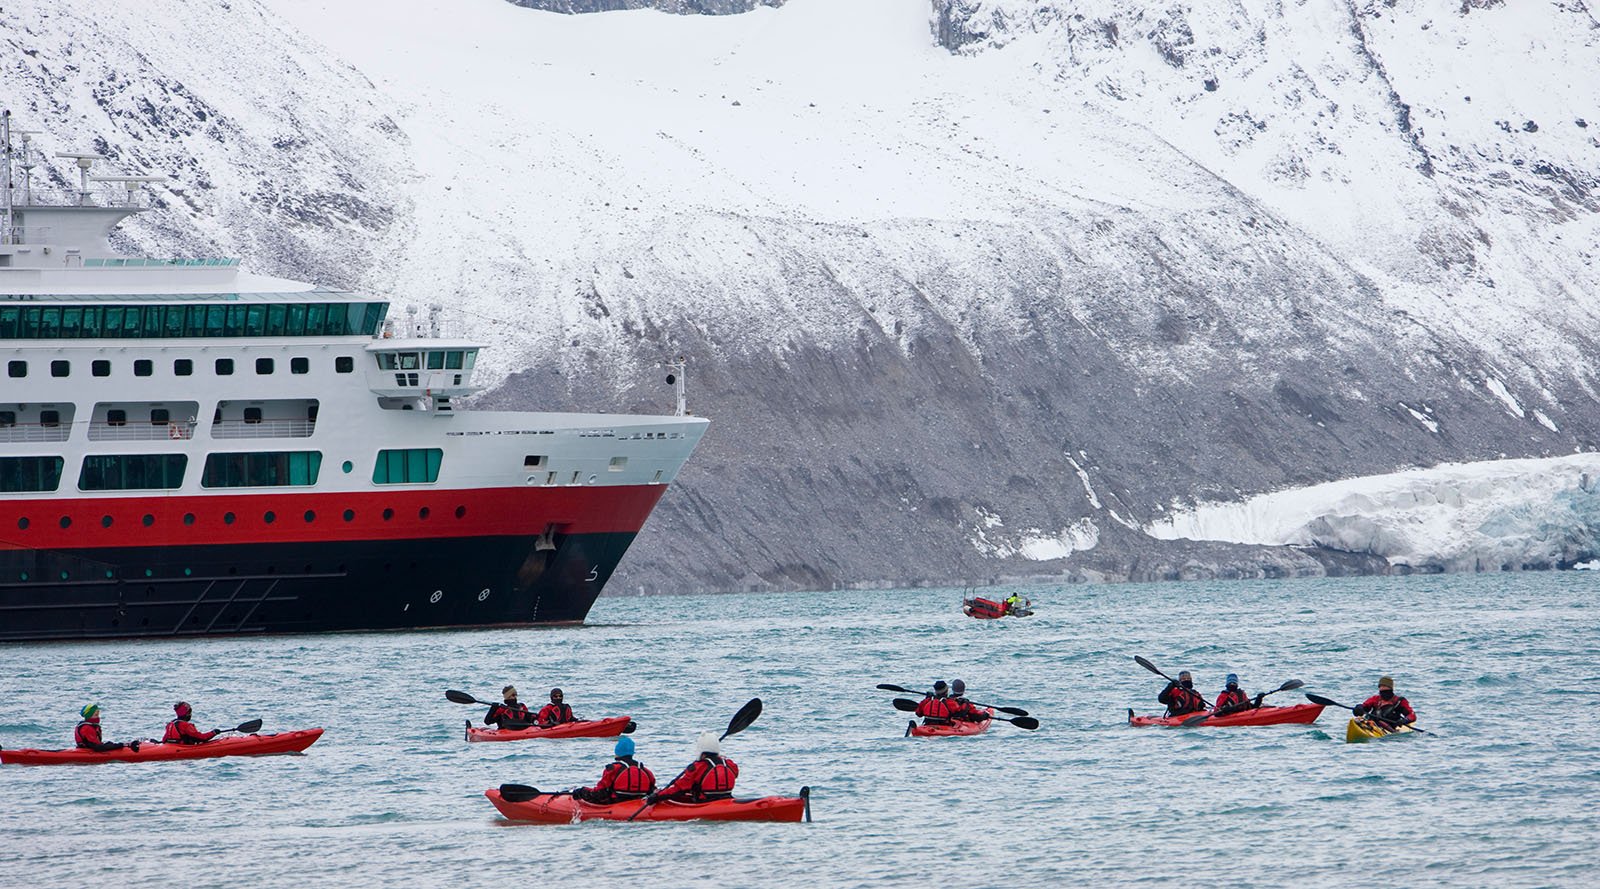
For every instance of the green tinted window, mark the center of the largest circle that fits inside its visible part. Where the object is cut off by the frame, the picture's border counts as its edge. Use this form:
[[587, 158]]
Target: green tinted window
[[128, 472], [408, 466], [119, 322], [30, 473], [262, 470]]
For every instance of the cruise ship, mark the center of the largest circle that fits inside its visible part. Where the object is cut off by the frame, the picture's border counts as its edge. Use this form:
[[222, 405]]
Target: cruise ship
[[190, 449]]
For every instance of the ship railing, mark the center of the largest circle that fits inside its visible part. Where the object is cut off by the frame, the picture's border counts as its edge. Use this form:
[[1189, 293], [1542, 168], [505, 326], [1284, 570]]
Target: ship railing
[[134, 262], [19, 432], [263, 429], [135, 431]]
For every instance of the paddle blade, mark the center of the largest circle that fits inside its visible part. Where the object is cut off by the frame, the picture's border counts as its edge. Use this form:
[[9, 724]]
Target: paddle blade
[[1291, 685], [1148, 666], [253, 725], [461, 697], [1014, 711], [905, 706], [746, 715], [1326, 702], [1027, 722], [1195, 720], [887, 687], [518, 793]]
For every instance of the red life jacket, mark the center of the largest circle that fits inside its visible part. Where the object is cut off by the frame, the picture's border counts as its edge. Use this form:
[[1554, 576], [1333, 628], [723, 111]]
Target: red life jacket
[[182, 731], [555, 714], [936, 708], [717, 781], [87, 734], [1231, 698], [1182, 700], [632, 781]]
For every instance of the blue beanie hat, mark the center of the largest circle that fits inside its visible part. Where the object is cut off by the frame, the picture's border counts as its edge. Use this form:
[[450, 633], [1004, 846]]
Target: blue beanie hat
[[1233, 679], [624, 746]]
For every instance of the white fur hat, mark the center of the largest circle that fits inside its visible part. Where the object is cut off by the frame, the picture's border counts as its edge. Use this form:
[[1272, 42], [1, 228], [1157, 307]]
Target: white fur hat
[[708, 743]]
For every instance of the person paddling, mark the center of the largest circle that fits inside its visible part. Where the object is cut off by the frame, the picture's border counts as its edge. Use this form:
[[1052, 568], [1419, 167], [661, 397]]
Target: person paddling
[[937, 708], [183, 731], [961, 708], [1180, 697], [555, 712], [710, 776], [1233, 699], [1386, 706], [624, 778], [512, 714], [88, 737]]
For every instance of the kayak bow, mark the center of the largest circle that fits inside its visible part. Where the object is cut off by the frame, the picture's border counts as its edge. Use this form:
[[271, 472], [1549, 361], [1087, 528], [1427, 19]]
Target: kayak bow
[[1362, 730]]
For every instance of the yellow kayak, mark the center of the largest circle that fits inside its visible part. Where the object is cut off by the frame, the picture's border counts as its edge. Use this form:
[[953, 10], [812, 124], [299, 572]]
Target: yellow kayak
[[1362, 730]]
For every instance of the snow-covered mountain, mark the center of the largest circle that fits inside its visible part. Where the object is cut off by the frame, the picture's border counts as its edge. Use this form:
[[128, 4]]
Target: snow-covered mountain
[[970, 288]]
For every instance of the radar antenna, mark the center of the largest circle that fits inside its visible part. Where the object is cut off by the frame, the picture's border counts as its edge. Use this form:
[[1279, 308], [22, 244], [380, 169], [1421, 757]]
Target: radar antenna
[[85, 161]]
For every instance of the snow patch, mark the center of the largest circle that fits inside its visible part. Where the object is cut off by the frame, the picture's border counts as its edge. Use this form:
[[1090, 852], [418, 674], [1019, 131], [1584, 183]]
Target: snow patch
[[1501, 392], [1486, 516], [1545, 421], [1428, 422], [1083, 476]]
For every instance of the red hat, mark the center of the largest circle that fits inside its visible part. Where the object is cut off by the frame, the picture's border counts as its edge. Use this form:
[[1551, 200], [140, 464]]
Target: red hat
[[183, 709]]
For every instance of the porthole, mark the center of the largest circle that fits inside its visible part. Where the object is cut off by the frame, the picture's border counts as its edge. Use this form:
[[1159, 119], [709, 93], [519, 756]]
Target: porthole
[[592, 479], [66, 521], [461, 512], [188, 572], [483, 594], [348, 466], [311, 516], [349, 515], [388, 514], [105, 521], [227, 518], [148, 572], [24, 575], [422, 513], [22, 523], [437, 595], [110, 573], [148, 520], [64, 575], [269, 517], [188, 518]]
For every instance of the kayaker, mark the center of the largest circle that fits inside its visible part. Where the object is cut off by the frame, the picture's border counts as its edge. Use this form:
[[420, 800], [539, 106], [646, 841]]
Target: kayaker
[[710, 776], [1180, 696], [182, 730], [555, 712], [623, 778], [1233, 697], [88, 735], [1386, 706], [936, 707], [512, 714], [961, 708]]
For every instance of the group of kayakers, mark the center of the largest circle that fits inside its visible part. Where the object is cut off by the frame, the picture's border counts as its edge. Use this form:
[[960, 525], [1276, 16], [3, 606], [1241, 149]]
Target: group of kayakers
[[710, 776], [513, 714], [1182, 699], [947, 704], [180, 730]]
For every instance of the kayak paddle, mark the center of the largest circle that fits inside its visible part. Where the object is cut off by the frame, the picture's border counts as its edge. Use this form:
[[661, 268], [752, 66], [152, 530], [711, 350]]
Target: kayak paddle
[[740, 721], [248, 727], [521, 793], [461, 697], [1014, 711], [1329, 702], [1027, 722], [1291, 685]]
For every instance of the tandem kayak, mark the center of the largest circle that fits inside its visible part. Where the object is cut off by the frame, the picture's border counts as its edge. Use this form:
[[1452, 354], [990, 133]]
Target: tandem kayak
[[956, 728], [550, 808], [1362, 730], [1299, 714], [155, 751], [583, 728]]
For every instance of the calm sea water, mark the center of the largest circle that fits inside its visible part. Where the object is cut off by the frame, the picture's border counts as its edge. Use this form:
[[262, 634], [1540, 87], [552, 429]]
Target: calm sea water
[[1505, 669]]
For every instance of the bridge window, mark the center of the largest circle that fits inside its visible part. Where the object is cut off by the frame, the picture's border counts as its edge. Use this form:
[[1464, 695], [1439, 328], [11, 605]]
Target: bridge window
[[452, 360], [408, 466], [164, 320], [435, 361], [262, 470], [25, 474], [131, 472]]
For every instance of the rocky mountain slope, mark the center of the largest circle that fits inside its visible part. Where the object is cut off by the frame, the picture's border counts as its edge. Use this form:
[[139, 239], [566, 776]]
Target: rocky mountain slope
[[971, 289]]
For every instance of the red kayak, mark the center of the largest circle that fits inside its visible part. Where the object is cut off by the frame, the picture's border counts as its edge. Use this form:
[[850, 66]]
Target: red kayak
[[155, 751], [550, 808], [960, 727], [583, 728], [1299, 714]]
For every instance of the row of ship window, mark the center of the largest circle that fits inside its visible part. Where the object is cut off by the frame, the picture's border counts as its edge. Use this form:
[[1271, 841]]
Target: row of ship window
[[181, 367], [156, 472], [228, 518], [206, 320]]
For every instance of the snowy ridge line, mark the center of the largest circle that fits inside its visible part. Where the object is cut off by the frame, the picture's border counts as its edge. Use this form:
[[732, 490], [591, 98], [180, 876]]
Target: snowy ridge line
[[1491, 515]]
